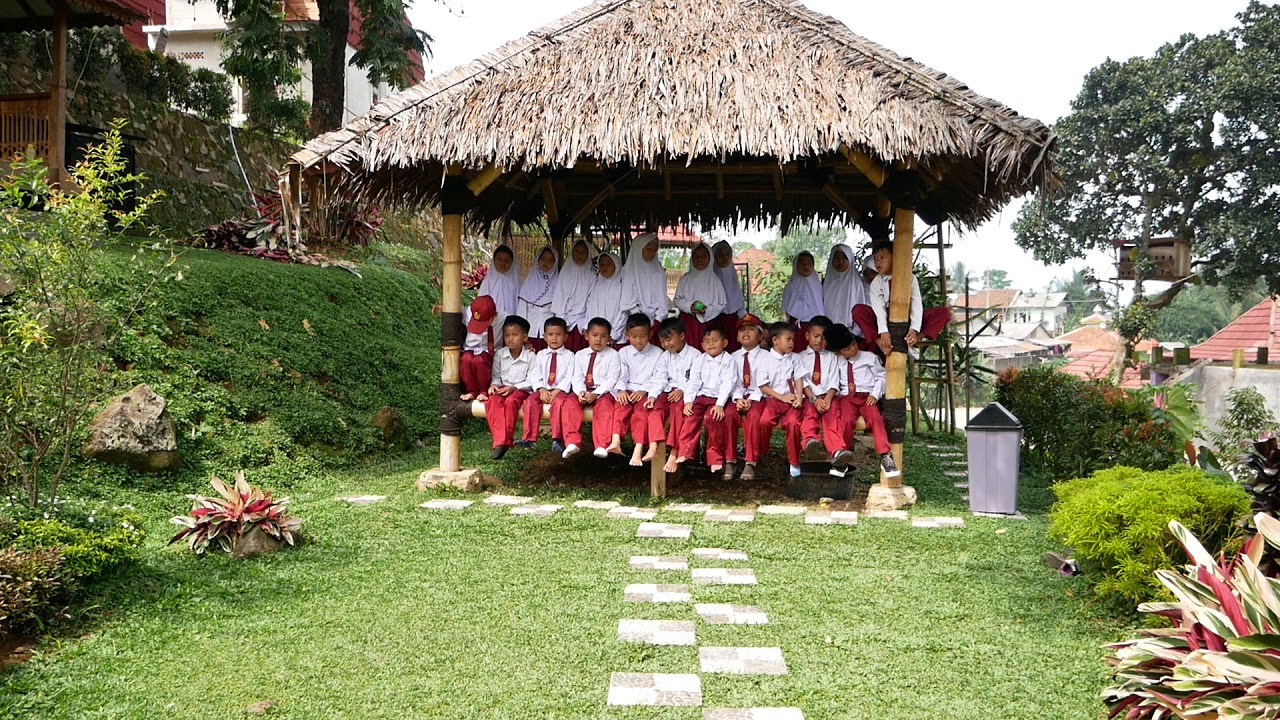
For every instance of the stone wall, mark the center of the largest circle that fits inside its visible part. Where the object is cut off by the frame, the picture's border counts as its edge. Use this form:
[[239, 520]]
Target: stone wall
[[1213, 382]]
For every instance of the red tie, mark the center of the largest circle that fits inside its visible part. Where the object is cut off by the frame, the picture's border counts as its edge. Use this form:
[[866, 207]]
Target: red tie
[[746, 369], [591, 372], [490, 333], [853, 387], [817, 368], [551, 377]]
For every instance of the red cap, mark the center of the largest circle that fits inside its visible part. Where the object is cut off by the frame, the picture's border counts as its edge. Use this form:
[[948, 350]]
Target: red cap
[[483, 309], [751, 320]]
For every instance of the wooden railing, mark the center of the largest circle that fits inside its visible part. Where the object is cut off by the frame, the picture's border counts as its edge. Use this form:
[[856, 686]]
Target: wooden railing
[[24, 123]]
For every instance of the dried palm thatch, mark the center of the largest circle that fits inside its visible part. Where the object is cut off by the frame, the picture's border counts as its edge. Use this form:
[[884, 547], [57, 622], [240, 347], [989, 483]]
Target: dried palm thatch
[[662, 111]]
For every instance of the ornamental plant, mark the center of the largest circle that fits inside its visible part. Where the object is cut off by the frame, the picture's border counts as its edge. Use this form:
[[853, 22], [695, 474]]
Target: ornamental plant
[[241, 509], [1264, 463]]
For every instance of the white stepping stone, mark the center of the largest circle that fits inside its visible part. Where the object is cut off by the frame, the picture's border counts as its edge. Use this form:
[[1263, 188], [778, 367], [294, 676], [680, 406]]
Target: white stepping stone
[[658, 632], [656, 562], [726, 614], [447, 504], [742, 660], [782, 509], [956, 473], [964, 498], [831, 517], [719, 554], [961, 486], [887, 514], [627, 512], [658, 689], [596, 504], [937, 522], [497, 500], [539, 510], [724, 576], [730, 515], [363, 499], [787, 713], [664, 530], [688, 507], [653, 593], [999, 516]]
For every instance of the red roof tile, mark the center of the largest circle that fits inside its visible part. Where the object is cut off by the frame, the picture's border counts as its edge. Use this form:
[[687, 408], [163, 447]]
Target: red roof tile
[[1096, 365], [1257, 327], [985, 299]]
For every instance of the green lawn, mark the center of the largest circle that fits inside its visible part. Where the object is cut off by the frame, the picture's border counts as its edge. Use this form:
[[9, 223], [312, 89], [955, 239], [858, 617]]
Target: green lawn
[[391, 611]]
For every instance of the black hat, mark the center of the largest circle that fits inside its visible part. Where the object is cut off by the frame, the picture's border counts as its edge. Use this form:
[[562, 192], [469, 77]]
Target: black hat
[[838, 337]]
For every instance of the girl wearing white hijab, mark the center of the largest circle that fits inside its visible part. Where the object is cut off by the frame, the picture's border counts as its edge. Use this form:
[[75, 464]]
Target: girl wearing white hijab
[[735, 306], [569, 302], [502, 281], [534, 300], [644, 281], [842, 288], [802, 297], [699, 296], [605, 300]]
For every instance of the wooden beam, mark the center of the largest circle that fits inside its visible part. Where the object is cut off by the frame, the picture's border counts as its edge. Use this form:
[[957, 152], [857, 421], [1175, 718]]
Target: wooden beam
[[777, 186], [58, 95], [666, 185], [871, 168], [549, 202], [719, 186], [484, 179], [592, 205], [838, 198]]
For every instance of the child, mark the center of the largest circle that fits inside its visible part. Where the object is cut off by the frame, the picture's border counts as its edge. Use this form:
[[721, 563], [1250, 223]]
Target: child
[[644, 282], [572, 290], [873, 320], [699, 296], [510, 387], [476, 364], [534, 301], [596, 372], [551, 382], [502, 282], [641, 380], [605, 300], [818, 376], [842, 289], [706, 395], [735, 306], [802, 297], [677, 367], [748, 361], [862, 381], [777, 383]]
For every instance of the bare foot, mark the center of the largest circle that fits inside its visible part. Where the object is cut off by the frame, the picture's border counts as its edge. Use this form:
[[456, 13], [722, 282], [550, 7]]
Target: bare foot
[[467, 398], [671, 465], [615, 447], [636, 461], [653, 450]]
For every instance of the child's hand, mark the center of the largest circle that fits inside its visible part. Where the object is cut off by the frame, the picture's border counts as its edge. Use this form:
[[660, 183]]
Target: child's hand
[[493, 390], [871, 400], [649, 404], [717, 412], [638, 397], [506, 390], [743, 405], [675, 396], [698, 307], [688, 409], [822, 404], [623, 398], [885, 343], [796, 401], [911, 338], [588, 398], [544, 396]]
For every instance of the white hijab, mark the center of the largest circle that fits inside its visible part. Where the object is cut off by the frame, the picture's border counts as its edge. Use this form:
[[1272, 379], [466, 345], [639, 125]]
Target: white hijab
[[701, 285], [540, 287], [802, 297], [734, 302], [644, 284], [502, 287], [842, 290], [605, 300], [572, 290]]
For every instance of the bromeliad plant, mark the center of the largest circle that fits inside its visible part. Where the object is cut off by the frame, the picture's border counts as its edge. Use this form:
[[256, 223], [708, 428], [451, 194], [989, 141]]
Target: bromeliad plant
[[1222, 657], [223, 521]]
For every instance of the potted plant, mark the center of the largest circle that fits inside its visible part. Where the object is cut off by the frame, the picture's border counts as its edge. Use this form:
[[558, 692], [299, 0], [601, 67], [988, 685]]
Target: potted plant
[[243, 521]]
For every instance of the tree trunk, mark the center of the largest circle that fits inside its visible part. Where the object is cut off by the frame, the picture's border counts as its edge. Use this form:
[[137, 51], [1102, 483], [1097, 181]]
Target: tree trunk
[[329, 67]]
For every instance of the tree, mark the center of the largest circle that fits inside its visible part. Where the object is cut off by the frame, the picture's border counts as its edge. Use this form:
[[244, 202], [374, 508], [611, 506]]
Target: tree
[[1199, 312], [959, 273], [1083, 293], [1179, 144], [818, 242], [996, 280]]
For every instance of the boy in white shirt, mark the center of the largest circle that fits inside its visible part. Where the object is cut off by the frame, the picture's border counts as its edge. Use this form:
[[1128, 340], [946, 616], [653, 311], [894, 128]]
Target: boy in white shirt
[[748, 361], [818, 378], [668, 406], [782, 402], [509, 386], [706, 396], [862, 382], [642, 378], [552, 384], [873, 320], [596, 373]]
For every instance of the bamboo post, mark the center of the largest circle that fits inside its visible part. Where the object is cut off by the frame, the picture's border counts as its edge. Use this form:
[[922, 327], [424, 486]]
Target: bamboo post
[[1237, 359], [899, 312], [451, 336], [58, 95]]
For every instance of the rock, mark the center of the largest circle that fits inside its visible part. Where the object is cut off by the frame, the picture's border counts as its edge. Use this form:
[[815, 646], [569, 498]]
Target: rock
[[260, 708], [881, 498], [393, 430], [255, 542], [135, 430], [464, 480]]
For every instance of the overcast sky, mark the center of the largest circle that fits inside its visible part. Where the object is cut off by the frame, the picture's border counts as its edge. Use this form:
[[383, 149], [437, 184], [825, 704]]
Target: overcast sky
[[1029, 56]]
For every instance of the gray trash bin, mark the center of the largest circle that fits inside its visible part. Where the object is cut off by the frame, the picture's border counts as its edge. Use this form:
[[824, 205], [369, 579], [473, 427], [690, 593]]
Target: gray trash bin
[[995, 445]]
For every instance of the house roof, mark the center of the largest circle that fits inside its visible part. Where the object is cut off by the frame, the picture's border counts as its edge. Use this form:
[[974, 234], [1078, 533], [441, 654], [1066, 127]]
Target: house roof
[[983, 299], [1024, 331], [24, 15], [648, 98], [1096, 365], [1258, 327], [1090, 337], [1096, 319], [1038, 300]]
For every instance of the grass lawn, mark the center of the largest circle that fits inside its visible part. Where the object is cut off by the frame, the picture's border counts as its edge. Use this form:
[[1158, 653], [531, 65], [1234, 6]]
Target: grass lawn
[[391, 611]]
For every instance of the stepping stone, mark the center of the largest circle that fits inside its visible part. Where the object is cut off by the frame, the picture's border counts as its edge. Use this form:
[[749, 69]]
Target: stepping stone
[[730, 515], [447, 504], [658, 632], [965, 498], [887, 514], [961, 486], [627, 512], [660, 689], [664, 530], [652, 593], [539, 510], [831, 517], [596, 504], [655, 562], [937, 522], [788, 713], [363, 499], [742, 660], [724, 576], [999, 516], [719, 554], [726, 614], [782, 509], [497, 500], [956, 473], [688, 507]]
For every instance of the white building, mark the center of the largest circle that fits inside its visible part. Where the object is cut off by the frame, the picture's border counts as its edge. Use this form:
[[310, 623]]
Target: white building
[[1048, 309]]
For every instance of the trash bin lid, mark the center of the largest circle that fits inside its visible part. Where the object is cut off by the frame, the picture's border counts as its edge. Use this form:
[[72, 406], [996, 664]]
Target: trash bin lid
[[994, 417]]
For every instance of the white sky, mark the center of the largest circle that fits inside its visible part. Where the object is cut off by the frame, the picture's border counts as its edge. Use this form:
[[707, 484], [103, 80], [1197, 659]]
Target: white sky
[[1025, 55]]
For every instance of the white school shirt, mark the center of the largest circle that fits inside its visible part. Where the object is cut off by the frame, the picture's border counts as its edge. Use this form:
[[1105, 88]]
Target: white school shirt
[[515, 372], [541, 371], [478, 343], [712, 377], [779, 372], [678, 367], [605, 374], [829, 365], [868, 375], [880, 303], [642, 370], [749, 391]]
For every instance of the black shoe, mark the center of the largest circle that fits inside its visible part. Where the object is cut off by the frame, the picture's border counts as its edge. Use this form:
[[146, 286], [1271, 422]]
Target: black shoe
[[524, 444], [498, 452], [557, 447], [889, 466], [841, 459]]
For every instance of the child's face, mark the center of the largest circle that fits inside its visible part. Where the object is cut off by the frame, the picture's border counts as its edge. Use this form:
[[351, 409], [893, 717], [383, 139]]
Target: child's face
[[502, 261], [554, 336], [649, 252], [784, 342], [598, 337], [816, 337], [714, 343], [869, 275], [580, 253], [673, 343], [839, 261], [850, 352], [749, 336], [638, 337], [546, 260], [724, 256], [514, 337], [701, 258], [607, 267], [804, 265], [884, 261]]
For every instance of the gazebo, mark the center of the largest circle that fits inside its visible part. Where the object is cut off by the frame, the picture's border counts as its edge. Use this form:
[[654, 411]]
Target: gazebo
[[661, 112]]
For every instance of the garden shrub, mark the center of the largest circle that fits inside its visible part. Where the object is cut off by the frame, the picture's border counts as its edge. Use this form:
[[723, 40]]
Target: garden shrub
[[32, 587], [93, 539], [1116, 521], [1247, 418]]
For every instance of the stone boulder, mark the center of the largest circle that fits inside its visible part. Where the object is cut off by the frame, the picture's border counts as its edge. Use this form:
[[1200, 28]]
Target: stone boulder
[[135, 430]]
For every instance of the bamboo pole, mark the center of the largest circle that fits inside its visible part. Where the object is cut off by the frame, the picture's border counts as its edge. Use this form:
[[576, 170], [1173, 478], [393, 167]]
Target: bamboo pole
[[58, 96], [450, 340], [899, 312]]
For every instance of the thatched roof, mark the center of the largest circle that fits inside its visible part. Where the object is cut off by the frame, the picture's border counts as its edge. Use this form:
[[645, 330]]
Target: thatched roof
[[664, 111]]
